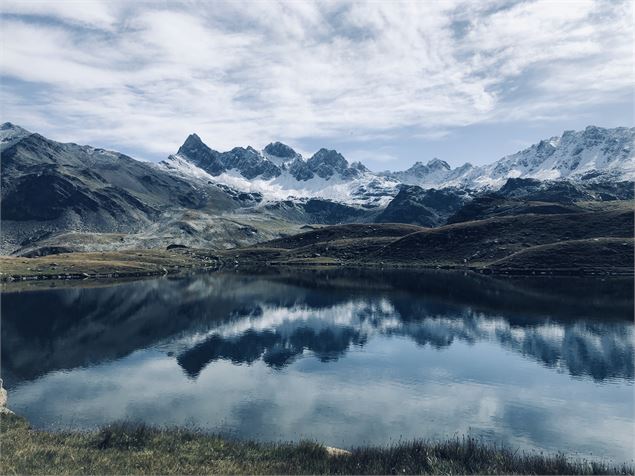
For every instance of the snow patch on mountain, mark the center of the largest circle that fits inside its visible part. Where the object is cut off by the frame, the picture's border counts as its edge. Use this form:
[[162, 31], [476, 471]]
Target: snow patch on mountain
[[581, 155], [431, 175], [593, 154], [366, 189]]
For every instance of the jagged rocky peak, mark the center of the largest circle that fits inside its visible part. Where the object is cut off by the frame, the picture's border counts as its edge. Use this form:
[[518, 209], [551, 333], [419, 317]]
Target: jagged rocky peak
[[197, 152], [194, 147], [246, 160], [244, 151], [359, 166], [8, 126], [546, 148], [611, 139], [420, 169], [192, 139], [278, 149], [250, 163], [463, 168], [438, 164], [330, 157], [325, 163], [594, 134]]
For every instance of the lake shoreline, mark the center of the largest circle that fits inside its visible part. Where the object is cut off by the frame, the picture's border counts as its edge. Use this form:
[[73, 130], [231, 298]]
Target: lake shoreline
[[182, 262], [126, 448]]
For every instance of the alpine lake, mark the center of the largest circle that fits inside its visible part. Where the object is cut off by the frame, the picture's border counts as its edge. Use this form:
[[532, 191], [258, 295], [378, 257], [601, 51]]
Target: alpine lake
[[342, 357]]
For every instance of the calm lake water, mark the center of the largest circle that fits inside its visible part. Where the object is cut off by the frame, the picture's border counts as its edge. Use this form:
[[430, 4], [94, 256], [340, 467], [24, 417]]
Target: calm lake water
[[345, 358]]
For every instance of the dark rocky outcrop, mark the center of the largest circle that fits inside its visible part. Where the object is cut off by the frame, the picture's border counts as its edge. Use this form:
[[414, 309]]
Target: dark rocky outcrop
[[418, 206], [201, 155], [249, 163], [326, 163], [278, 149], [316, 210]]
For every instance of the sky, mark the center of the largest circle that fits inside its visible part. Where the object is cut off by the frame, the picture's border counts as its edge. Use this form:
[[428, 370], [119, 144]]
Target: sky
[[387, 83]]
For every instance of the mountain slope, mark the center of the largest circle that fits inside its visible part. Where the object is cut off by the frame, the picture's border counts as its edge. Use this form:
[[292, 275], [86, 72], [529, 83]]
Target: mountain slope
[[50, 188]]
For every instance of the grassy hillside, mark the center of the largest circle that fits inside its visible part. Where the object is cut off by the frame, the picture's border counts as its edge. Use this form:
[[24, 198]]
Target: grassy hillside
[[105, 264], [481, 244], [492, 206], [342, 232], [599, 241], [484, 241], [595, 252], [127, 449]]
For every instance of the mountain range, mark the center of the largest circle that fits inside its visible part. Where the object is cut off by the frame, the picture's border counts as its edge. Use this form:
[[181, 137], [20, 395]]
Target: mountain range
[[595, 154], [66, 197]]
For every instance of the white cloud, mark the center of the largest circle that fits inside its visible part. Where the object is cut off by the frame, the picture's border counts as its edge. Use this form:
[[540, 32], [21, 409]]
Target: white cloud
[[85, 13], [146, 74]]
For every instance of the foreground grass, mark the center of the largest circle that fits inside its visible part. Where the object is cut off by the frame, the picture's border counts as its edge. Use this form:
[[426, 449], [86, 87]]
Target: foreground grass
[[134, 449]]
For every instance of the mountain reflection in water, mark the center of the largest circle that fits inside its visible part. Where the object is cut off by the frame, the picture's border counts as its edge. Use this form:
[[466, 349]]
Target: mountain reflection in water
[[344, 357], [278, 318], [582, 348]]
